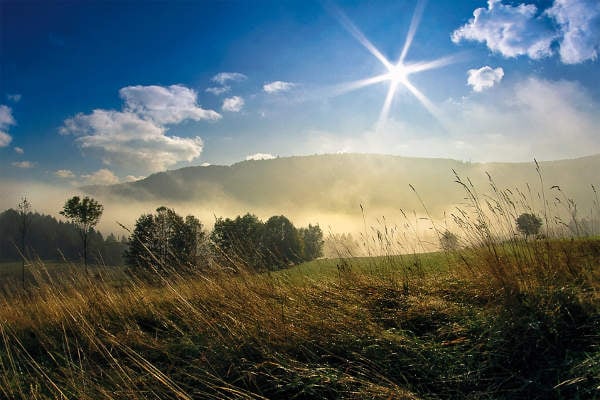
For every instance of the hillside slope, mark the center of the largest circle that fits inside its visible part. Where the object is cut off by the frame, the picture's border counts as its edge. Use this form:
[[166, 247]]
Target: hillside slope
[[341, 183]]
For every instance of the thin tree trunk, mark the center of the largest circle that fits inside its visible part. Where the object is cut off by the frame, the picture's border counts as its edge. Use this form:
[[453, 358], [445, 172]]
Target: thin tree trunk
[[85, 251]]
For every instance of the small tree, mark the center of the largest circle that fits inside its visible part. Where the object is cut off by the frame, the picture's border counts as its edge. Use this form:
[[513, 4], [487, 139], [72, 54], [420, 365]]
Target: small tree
[[282, 242], [448, 241], [529, 224], [312, 242], [24, 210], [164, 240], [84, 214]]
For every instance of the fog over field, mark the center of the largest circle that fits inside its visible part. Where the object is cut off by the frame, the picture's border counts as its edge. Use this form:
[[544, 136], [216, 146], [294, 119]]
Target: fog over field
[[326, 189]]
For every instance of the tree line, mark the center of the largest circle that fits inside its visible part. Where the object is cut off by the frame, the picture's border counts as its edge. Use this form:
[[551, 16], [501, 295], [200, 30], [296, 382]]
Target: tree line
[[161, 240], [47, 238], [167, 240]]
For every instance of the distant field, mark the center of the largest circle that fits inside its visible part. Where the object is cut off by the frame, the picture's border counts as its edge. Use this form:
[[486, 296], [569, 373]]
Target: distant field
[[398, 264], [11, 272]]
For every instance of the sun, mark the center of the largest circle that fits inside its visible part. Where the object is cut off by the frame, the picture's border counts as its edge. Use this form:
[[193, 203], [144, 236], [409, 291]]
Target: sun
[[397, 74]]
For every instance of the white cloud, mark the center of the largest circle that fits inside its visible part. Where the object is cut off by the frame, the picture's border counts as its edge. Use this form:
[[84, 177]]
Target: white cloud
[[509, 30], [233, 104], [64, 173], [132, 178], [165, 105], [24, 164], [224, 77], [137, 137], [19, 150], [125, 139], [6, 117], [278, 86], [5, 139], [522, 30], [218, 90], [6, 120], [101, 177], [484, 77], [579, 22], [260, 156], [14, 97]]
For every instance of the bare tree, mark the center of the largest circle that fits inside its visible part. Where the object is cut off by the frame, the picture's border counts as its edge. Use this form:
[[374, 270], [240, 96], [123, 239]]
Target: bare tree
[[24, 210]]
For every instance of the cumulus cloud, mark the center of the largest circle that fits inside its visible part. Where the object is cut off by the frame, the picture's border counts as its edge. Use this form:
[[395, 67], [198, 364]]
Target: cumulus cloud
[[278, 86], [64, 173], [165, 105], [233, 104], [19, 150], [6, 120], [524, 30], [484, 77], [579, 23], [14, 97], [24, 164], [509, 30], [136, 137], [224, 77], [101, 177], [260, 156], [218, 90]]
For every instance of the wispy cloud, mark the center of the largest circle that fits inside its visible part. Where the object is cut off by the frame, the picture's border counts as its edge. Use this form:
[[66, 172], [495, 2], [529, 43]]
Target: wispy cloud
[[484, 77], [233, 104], [278, 86], [5, 139], [218, 90], [6, 120], [14, 97], [24, 164], [260, 156], [65, 173], [525, 30], [136, 137], [19, 150], [224, 77], [529, 118]]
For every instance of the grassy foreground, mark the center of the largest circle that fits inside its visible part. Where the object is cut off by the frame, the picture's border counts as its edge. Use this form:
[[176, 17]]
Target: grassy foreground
[[501, 318], [388, 327]]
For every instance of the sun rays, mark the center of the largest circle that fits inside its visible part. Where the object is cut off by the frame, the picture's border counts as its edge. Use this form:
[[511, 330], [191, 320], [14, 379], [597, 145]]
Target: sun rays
[[397, 74]]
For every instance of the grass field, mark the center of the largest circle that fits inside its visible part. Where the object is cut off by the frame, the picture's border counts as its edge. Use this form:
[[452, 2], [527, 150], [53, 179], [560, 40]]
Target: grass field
[[406, 327]]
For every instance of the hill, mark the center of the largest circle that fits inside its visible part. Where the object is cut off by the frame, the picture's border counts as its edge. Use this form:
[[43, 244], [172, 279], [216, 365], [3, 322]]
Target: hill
[[330, 189]]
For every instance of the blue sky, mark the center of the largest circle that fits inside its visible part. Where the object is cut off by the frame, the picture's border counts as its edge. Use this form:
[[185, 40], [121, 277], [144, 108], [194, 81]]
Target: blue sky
[[105, 92]]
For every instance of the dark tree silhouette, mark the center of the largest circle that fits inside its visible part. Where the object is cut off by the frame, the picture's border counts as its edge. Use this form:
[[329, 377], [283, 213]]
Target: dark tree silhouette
[[312, 242], [282, 242], [84, 214], [164, 240], [24, 210], [529, 224]]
